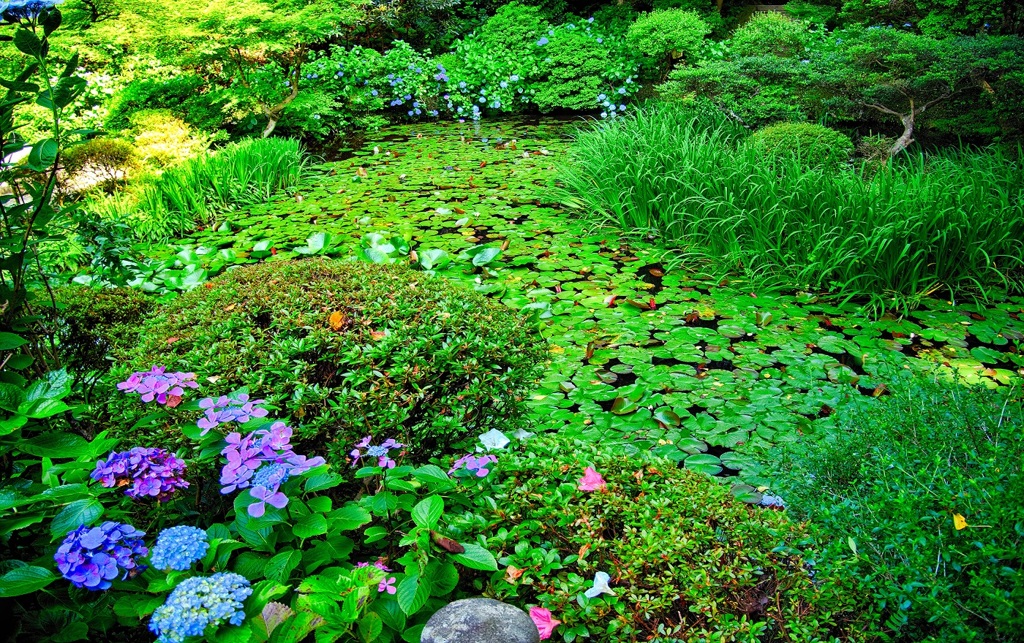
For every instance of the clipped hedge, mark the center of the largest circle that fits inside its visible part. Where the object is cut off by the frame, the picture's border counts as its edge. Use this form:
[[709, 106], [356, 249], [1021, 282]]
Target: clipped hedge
[[92, 324], [352, 349]]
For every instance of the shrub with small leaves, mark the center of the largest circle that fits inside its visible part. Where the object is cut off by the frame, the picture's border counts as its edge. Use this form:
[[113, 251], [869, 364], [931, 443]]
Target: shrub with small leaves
[[815, 145]]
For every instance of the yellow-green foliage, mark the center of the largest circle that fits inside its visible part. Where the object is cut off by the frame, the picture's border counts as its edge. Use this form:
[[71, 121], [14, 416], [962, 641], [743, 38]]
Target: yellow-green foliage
[[670, 33], [109, 159], [164, 140], [770, 33]]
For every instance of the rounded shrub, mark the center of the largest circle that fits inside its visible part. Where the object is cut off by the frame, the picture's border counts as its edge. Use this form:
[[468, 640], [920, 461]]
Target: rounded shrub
[[352, 349], [92, 324], [770, 33], [668, 35], [103, 162], [815, 145], [684, 559]]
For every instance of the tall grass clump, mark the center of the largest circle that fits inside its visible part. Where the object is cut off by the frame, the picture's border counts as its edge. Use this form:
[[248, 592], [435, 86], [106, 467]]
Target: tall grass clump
[[201, 190], [950, 222]]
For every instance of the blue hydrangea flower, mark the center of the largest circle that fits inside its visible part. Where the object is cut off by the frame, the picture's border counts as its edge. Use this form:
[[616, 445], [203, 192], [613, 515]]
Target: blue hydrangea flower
[[199, 602], [27, 9], [91, 557], [178, 547], [543, 41]]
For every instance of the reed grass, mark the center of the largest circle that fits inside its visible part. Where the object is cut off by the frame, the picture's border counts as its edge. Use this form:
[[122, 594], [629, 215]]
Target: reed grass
[[203, 189], [952, 222]]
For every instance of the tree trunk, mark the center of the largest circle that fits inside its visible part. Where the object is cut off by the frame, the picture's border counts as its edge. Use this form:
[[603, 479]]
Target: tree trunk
[[905, 139], [271, 124]]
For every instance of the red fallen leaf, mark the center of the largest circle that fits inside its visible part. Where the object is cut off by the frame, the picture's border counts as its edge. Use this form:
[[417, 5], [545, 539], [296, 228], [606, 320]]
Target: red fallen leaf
[[171, 340], [377, 335], [583, 550], [610, 301], [446, 543], [899, 335], [273, 251], [590, 351], [656, 272], [209, 286], [977, 316], [483, 163], [653, 304], [458, 211], [173, 401]]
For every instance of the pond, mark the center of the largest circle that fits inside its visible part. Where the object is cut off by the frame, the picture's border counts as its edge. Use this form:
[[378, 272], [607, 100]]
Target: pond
[[643, 349]]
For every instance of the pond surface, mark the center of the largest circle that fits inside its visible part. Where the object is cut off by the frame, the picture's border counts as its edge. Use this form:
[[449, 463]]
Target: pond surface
[[642, 350]]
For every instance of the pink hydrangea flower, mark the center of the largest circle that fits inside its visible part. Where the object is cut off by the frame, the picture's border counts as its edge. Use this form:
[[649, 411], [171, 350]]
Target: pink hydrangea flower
[[591, 480], [545, 623]]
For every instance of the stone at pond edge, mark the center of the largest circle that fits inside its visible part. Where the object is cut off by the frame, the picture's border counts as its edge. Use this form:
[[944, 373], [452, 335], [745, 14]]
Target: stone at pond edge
[[480, 620]]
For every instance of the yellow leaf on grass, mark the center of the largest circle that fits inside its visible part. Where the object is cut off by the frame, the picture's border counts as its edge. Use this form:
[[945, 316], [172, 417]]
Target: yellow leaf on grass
[[959, 522], [336, 320]]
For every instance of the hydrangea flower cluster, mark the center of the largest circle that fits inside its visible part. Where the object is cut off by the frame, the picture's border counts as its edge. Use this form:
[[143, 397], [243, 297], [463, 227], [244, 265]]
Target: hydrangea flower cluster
[[380, 451], [27, 9], [157, 384], [477, 465], [199, 602], [146, 472], [226, 409], [178, 547], [263, 460], [91, 557]]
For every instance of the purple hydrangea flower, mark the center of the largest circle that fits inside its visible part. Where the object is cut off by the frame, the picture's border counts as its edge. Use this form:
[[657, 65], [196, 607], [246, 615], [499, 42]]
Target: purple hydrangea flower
[[178, 547], [91, 557], [224, 409], [263, 460], [156, 384], [146, 472], [380, 451], [474, 464], [198, 603]]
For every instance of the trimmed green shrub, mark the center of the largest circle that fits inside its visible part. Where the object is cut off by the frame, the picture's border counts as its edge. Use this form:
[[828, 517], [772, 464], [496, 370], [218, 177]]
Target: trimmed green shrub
[[772, 33], [686, 560], [894, 479], [668, 35], [109, 160], [814, 145], [186, 94], [353, 349], [92, 324]]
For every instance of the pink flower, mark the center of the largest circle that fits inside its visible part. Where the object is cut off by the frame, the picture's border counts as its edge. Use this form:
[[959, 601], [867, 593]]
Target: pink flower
[[542, 619], [387, 585], [591, 480]]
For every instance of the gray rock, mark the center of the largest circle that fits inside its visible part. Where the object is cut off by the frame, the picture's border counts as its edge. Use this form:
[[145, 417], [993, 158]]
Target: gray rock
[[480, 620]]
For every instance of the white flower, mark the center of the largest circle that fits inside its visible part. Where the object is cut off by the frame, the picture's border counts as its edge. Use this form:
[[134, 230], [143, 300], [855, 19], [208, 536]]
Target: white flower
[[522, 434], [494, 439], [600, 586]]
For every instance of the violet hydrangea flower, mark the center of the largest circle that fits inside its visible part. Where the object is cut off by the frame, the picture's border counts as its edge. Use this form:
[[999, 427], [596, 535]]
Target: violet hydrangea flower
[[146, 472], [91, 557], [27, 9], [478, 466], [225, 409], [263, 460], [157, 384], [199, 602], [178, 547], [381, 452]]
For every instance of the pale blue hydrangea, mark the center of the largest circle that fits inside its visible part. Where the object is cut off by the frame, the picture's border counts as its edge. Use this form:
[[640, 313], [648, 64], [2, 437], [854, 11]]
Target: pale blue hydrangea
[[199, 602], [178, 547]]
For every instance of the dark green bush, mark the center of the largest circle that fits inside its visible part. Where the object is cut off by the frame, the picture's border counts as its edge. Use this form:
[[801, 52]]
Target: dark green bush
[[405, 356], [108, 159], [186, 95], [667, 35], [91, 324], [815, 145], [890, 481], [687, 560]]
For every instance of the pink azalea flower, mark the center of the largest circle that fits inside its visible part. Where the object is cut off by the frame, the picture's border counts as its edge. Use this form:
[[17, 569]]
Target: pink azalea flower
[[591, 480], [545, 623]]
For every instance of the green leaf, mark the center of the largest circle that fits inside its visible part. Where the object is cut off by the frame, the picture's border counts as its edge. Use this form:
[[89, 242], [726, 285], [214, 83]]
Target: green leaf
[[43, 155], [78, 513], [412, 594], [312, 525], [370, 627], [428, 511], [10, 341], [476, 557], [349, 517], [28, 43], [431, 474], [11, 397], [25, 580], [321, 481], [57, 444], [280, 567]]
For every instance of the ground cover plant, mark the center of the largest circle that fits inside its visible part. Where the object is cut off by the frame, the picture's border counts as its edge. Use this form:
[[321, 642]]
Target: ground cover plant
[[926, 489]]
